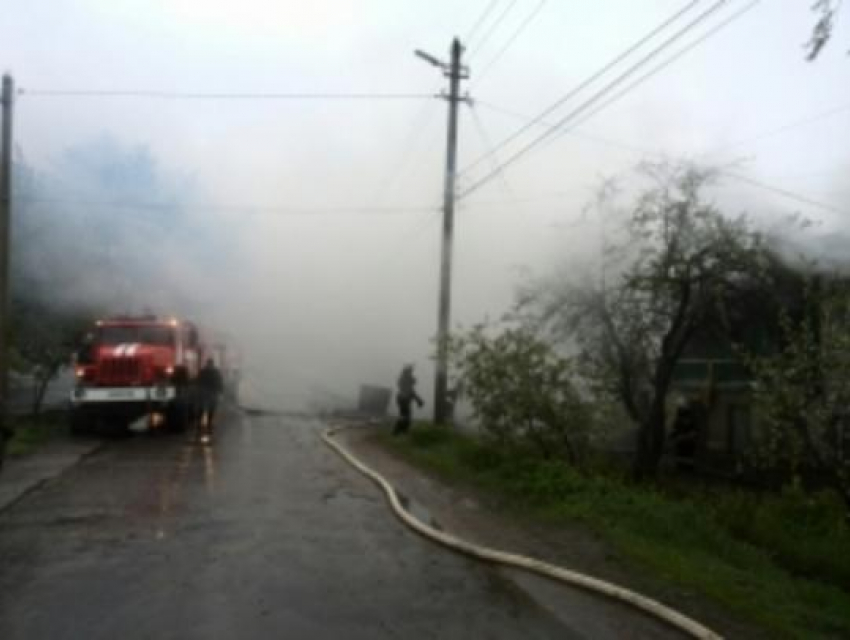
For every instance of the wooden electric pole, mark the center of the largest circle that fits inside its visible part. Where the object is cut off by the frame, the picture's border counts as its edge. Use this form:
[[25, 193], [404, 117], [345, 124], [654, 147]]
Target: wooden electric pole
[[5, 217], [455, 73]]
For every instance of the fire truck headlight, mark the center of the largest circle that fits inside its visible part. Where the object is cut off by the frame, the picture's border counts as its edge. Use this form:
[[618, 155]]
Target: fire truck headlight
[[80, 372], [169, 371]]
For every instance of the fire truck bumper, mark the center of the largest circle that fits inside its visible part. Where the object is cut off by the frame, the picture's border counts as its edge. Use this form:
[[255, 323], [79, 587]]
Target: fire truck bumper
[[105, 395]]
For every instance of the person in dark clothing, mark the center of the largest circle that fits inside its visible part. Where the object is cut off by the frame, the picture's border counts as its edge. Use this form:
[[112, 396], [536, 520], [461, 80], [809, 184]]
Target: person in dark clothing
[[684, 437], [210, 387], [405, 395]]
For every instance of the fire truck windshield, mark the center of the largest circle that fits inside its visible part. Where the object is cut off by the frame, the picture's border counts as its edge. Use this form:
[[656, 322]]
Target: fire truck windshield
[[162, 336]]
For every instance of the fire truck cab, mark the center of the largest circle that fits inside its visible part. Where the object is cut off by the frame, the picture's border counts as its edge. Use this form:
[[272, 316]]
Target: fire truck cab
[[131, 367]]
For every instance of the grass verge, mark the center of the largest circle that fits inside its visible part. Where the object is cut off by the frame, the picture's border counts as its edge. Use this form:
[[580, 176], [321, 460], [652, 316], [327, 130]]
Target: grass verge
[[33, 432], [766, 560]]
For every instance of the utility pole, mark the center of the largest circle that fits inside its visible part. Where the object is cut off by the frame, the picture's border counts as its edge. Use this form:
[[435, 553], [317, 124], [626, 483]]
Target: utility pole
[[455, 72], [5, 217]]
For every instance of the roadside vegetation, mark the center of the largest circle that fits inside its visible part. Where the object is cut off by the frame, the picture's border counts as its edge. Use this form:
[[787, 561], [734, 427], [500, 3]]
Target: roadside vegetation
[[779, 561], [32, 432], [585, 413]]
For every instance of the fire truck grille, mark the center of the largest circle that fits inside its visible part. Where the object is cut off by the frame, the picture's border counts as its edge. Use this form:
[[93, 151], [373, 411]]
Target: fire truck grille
[[120, 371]]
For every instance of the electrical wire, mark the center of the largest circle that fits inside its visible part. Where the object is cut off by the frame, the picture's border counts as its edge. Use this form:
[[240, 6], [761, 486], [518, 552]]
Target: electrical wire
[[572, 131], [595, 97], [489, 33], [484, 15], [786, 193], [510, 41], [184, 95], [666, 63], [822, 115], [479, 127], [420, 125], [588, 81], [243, 208], [758, 137], [798, 197]]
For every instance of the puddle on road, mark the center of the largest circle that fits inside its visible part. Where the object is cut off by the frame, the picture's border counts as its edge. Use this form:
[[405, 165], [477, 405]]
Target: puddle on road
[[258, 412]]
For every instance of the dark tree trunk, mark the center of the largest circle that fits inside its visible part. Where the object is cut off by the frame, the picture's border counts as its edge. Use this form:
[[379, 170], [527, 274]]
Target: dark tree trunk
[[39, 391], [653, 428], [40, 387], [651, 436]]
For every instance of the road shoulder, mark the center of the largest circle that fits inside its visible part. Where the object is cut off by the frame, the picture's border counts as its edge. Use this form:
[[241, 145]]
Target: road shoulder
[[481, 518], [23, 474]]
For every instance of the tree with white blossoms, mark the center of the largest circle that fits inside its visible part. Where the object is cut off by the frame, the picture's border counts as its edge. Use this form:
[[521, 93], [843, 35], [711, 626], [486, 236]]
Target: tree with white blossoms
[[801, 388], [522, 390]]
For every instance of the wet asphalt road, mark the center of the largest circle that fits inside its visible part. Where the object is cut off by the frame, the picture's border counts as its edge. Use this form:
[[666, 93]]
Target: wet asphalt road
[[264, 534]]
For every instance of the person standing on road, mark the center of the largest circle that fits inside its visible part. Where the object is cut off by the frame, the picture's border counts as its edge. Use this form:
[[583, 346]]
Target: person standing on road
[[405, 395], [210, 386]]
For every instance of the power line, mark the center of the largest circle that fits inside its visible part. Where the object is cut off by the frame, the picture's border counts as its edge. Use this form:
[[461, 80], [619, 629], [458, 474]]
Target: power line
[[419, 126], [633, 148], [479, 126], [579, 134], [489, 33], [798, 197], [589, 80], [484, 15], [666, 63], [516, 34], [184, 95], [781, 129], [785, 192], [599, 94], [242, 208], [418, 230]]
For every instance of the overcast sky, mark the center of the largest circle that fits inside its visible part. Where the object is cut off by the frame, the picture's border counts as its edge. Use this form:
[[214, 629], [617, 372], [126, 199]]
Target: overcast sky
[[337, 280]]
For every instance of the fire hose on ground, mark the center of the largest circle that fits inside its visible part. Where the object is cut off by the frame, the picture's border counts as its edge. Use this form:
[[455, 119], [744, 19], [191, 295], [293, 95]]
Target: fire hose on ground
[[532, 565]]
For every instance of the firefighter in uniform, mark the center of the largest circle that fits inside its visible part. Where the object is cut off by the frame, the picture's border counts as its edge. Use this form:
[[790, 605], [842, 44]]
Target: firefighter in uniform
[[405, 395], [211, 386]]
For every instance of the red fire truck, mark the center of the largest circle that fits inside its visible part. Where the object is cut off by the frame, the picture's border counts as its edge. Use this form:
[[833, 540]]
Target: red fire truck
[[132, 367]]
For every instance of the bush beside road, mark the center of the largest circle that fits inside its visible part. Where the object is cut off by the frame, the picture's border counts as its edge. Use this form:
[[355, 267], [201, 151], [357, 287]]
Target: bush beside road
[[40, 449], [33, 432], [777, 562]]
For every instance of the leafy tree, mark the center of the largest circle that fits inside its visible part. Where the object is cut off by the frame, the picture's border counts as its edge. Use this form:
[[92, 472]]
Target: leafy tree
[[521, 390], [826, 11], [802, 387], [44, 338], [679, 258]]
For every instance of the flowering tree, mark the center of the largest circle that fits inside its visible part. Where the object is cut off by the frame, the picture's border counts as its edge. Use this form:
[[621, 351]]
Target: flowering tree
[[802, 388], [522, 390]]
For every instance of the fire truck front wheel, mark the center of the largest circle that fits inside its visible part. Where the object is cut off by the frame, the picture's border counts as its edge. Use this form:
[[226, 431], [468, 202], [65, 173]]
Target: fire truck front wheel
[[80, 422]]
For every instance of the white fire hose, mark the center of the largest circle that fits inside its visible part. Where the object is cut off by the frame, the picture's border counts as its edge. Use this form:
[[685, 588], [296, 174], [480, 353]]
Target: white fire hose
[[594, 585]]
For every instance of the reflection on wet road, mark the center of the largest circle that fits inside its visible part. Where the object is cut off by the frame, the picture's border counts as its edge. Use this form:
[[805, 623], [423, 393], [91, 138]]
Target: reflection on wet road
[[263, 533]]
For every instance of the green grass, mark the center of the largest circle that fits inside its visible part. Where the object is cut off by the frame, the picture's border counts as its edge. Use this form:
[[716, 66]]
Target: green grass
[[780, 562], [33, 432]]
